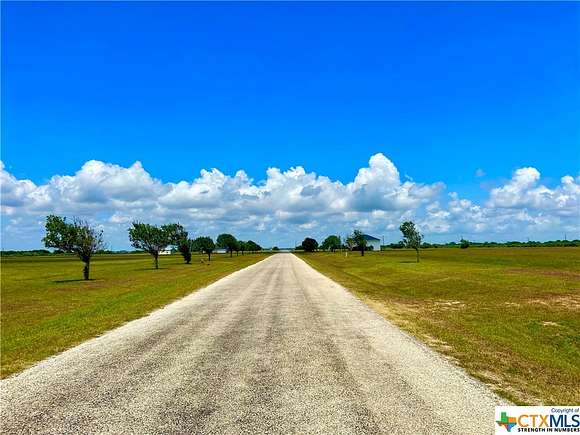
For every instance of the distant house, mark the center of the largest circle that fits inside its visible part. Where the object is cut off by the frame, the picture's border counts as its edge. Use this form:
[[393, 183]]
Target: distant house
[[165, 252], [372, 241]]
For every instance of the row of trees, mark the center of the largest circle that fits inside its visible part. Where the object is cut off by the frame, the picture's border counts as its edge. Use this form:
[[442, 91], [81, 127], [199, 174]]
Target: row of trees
[[155, 239], [79, 238], [357, 242]]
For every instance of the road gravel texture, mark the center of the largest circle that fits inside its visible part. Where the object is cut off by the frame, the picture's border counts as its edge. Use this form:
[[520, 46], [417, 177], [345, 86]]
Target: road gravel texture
[[273, 348]]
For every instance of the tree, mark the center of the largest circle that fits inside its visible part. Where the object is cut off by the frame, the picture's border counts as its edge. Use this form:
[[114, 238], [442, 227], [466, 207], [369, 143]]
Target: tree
[[77, 237], [205, 245], [275, 248], [227, 242], [349, 243], [358, 241], [331, 243], [464, 244], [411, 236], [179, 238], [309, 244], [252, 246], [184, 247], [242, 246], [175, 233], [151, 238]]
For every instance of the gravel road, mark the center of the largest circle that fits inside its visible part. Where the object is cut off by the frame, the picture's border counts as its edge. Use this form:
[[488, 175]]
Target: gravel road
[[273, 348]]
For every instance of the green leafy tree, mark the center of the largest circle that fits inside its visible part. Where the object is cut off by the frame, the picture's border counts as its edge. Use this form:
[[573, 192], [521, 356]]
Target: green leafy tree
[[464, 244], [309, 244], [331, 243], [349, 243], [175, 233], [252, 246], [179, 238], [227, 242], [205, 245], [242, 246], [411, 236], [275, 249], [76, 237], [152, 239], [358, 241], [185, 248]]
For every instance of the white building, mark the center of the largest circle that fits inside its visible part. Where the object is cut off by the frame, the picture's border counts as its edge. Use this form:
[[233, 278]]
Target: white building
[[373, 241], [165, 252]]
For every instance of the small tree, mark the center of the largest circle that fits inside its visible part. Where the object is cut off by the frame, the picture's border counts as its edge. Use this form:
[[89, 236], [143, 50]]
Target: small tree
[[464, 244], [227, 242], [77, 238], [179, 238], [309, 244], [275, 248], [151, 239], [185, 248], [205, 245], [331, 243], [411, 236], [359, 241]]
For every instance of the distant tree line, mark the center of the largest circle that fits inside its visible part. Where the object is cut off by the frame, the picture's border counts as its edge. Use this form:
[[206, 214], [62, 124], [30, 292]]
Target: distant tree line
[[512, 244], [42, 252], [357, 241], [413, 239]]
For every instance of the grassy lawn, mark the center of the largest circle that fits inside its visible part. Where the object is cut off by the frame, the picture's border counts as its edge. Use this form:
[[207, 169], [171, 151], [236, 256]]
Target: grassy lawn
[[509, 316], [47, 309]]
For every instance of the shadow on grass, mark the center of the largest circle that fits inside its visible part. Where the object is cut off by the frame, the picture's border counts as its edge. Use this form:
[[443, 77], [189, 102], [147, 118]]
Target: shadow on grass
[[409, 262], [150, 268], [64, 281]]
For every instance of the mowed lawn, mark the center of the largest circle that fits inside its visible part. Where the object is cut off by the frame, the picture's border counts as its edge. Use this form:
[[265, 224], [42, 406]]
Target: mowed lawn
[[47, 309], [509, 316]]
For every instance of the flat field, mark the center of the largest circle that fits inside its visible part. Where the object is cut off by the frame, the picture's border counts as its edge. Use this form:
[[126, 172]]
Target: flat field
[[509, 316], [46, 309]]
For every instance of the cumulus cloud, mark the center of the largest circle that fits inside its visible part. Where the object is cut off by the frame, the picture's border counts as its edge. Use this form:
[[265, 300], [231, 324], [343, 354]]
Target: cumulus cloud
[[286, 204], [13, 191], [524, 191]]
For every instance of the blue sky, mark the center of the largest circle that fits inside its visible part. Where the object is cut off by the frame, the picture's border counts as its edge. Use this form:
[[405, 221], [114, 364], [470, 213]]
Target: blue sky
[[440, 89]]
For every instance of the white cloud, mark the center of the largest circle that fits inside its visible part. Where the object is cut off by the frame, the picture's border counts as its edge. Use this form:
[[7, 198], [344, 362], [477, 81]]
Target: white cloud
[[286, 205], [524, 191], [14, 192]]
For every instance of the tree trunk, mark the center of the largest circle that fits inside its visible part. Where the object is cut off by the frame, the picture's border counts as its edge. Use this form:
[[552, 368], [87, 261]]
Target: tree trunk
[[362, 252], [156, 260], [86, 270], [209, 256], [231, 253], [417, 255]]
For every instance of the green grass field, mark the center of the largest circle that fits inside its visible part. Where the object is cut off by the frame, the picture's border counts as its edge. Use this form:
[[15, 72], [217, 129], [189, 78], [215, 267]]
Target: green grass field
[[509, 316], [47, 309]]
